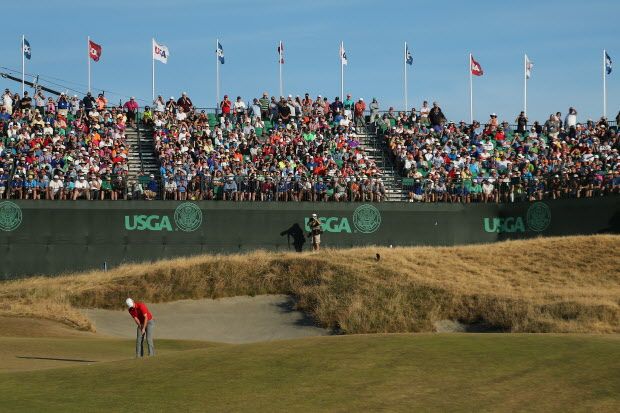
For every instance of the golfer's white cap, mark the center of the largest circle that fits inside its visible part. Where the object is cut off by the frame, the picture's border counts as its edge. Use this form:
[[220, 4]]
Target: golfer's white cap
[[314, 215], [129, 302]]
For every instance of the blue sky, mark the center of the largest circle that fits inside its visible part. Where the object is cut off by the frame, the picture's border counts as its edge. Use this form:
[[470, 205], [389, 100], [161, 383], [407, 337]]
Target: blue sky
[[564, 39]]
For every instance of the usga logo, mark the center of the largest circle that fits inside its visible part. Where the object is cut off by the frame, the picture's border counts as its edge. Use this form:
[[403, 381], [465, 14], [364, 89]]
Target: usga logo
[[10, 216], [147, 223], [366, 219], [187, 217], [538, 218], [331, 224], [508, 224]]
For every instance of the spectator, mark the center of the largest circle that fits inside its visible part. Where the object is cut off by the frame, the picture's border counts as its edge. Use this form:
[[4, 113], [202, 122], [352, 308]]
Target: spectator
[[131, 109], [88, 102], [239, 109], [56, 188], [171, 105], [7, 101], [336, 106], [63, 105], [39, 100], [152, 188], [264, 106], [159, 105], [25, 103], [436, 116], [348, 106], [424, 113], [360, 108], [374, 110], [521, 123], [225, 107], [256, 109], [82, 188], [185, 103], [315, 232], [101, 102]]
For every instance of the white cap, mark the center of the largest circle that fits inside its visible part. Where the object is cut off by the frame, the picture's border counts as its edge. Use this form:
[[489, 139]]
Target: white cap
[[129, 302], [314, 215]]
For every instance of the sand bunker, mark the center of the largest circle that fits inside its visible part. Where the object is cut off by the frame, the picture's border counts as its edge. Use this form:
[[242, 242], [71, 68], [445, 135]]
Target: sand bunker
[[226, 320]]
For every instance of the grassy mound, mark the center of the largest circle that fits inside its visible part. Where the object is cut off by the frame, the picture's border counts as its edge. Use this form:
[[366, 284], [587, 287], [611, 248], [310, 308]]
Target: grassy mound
[[405, 373], [569, 284]]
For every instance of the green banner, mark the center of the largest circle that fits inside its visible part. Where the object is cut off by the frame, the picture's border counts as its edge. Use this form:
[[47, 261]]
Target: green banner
[[40, 237]]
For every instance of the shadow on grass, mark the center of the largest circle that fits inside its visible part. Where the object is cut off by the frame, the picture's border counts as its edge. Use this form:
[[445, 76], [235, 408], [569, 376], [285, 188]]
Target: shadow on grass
[[55, 359]]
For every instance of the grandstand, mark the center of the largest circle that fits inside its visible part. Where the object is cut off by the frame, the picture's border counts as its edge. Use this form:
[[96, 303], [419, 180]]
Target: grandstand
[[294, 150]]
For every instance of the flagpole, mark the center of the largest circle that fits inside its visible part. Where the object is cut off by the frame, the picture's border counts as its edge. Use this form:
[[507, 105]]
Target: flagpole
[[405, 70], [23, 65], [153, 77], [341, 71], [471, 93], [604, 86], [280, 65], [88, 59], [525, 84], [217, 74]]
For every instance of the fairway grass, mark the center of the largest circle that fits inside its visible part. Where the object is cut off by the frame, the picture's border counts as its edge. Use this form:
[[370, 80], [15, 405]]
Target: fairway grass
[[397, 372]]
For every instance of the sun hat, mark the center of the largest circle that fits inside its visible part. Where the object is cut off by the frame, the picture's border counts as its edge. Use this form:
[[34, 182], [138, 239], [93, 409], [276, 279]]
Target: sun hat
[[129, 302]]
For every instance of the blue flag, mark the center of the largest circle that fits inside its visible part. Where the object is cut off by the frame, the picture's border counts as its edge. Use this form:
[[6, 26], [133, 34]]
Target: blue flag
[[408, 57], [220, 52], [607, 63], [26, 49]]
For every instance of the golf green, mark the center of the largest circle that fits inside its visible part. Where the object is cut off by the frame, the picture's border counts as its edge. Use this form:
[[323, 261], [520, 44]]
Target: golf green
[[398, 372]]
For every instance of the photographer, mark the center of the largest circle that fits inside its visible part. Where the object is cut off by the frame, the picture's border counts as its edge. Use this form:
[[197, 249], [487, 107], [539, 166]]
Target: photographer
[[315, 232]]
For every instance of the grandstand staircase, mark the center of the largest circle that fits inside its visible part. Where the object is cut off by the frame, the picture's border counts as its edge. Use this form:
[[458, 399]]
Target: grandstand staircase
[[141, 152], [373, 147], [142, 157]]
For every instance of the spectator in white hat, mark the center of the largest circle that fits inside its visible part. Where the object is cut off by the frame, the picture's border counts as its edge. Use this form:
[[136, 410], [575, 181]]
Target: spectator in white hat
[[315, 232]]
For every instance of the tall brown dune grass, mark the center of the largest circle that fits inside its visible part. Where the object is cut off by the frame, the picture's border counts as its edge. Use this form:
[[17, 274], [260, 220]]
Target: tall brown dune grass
[[569, 284]]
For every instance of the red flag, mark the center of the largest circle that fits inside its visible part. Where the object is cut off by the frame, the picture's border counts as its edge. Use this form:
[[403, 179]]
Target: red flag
[[475, 67], [94, 50]]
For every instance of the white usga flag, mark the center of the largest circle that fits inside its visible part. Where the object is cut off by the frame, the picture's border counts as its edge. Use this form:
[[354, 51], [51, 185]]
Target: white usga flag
[[160, 52], [528, 67], [343, 54]]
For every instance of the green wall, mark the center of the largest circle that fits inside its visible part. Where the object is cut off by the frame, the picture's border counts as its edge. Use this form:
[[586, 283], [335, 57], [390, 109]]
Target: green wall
[[40, 237]]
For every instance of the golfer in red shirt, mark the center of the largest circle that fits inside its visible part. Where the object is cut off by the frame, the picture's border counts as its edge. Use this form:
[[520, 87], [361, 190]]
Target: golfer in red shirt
[[144, 320]]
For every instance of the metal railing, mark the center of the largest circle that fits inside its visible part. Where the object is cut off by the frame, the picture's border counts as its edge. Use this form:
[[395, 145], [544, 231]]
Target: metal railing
[[138, 127]]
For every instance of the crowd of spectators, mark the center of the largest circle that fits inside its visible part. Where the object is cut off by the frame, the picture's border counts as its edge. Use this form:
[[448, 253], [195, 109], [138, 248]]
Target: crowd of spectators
[[62, 148], [445, 161], [295, 149], [286, 149]]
